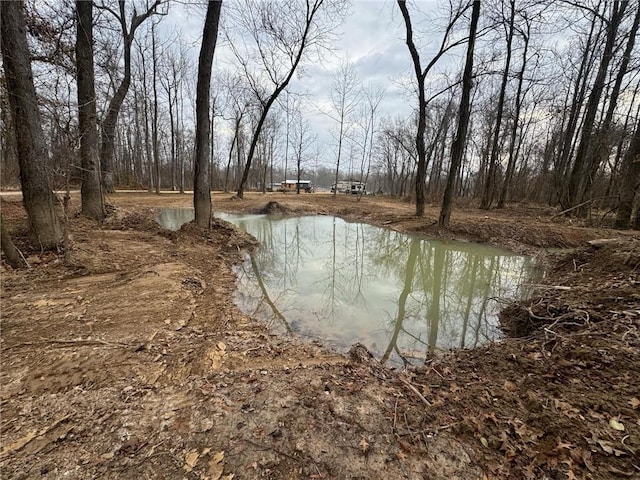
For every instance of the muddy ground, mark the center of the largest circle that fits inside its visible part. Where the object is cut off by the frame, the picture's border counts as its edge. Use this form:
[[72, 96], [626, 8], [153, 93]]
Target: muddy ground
[[125, 357]]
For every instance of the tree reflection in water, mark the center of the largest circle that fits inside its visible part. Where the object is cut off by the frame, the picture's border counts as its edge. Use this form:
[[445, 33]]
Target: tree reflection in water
[[402, 296]]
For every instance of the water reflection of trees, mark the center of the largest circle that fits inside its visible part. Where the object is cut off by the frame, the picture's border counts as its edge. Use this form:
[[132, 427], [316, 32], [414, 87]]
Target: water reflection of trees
[[402, 296]]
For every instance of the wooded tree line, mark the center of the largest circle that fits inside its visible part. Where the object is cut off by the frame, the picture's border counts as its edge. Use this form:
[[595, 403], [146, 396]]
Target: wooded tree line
[[541, 105]]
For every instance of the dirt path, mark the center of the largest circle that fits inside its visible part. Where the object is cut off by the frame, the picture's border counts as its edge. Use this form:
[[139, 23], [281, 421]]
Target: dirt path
[[130, 360]]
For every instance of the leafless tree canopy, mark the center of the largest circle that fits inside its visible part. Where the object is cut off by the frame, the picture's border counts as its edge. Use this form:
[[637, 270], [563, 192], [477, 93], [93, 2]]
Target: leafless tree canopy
[[553, 100]]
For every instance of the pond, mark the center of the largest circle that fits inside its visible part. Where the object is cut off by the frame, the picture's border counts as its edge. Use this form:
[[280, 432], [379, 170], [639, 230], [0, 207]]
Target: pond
[[403, 296]]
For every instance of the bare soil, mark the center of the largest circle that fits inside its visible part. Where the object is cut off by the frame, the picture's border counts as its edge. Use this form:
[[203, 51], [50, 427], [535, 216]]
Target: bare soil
[[125, 357]]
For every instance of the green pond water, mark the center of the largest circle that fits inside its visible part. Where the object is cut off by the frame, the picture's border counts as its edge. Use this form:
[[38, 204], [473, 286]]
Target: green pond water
[[403, 296]]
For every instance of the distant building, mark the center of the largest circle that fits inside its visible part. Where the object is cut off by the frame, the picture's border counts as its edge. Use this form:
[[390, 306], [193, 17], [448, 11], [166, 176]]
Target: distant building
[[292, 186], [349, 186]]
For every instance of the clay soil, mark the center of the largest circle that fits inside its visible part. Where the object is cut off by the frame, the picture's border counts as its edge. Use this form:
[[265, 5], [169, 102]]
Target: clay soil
[[124, 357]]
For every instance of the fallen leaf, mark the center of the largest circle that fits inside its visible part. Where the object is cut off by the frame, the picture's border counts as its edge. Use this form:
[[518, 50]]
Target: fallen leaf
[[565, 445], [635, 403], [616, 425], [491, 416], [608, 448], [364, 445], [566, 408], [221, 346], [509, 386], [621, 472], [484, 442], [190, 460], [216, 466]]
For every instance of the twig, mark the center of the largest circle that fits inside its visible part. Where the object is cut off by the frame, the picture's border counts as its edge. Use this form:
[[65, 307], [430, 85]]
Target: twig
[[580, 205], [546, 287], [536, 317], [570, 209], [395, 414], [546, 329], [266, 447], [23, 259], [415, 390]]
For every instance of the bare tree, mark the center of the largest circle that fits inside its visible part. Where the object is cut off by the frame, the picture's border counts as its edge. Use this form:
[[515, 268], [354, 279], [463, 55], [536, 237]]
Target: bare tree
[[110, 121], [578, 178], [373, 98], [421, 75], [490, 184], [345, 96], [630, 187], [458, 147], [303, 140], [569, 126], [515, 124], [603, 139], [91, 190], [38, 199], [238, 103], [154, 122], [279, 34], [201, 179]]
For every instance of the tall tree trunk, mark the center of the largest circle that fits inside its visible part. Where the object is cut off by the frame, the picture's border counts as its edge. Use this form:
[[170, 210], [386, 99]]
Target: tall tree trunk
[[201, 186], [490, 183], [230, 158], [580, 171], [147, 135], [439, 142], [286, 148], [458, 146], [90, 190], [212, 145], [154, 124], [630, 187], [504, 193], [562, 164], [603, 139], [615, 175], [173, 138], [110, 122], [340, 140], [180, 136], [138, 145], [38, 199], [11, 253], [422, 112]]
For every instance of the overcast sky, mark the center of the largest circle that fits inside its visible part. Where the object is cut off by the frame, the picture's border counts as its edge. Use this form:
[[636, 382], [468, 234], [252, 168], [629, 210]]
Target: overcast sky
[[372, 37]]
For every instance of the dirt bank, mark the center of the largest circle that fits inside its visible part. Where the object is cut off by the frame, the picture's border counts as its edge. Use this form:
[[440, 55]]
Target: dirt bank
[[128, 359]]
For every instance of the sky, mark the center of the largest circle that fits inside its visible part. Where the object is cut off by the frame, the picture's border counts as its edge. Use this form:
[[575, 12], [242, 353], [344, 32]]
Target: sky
[[372, 37]]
